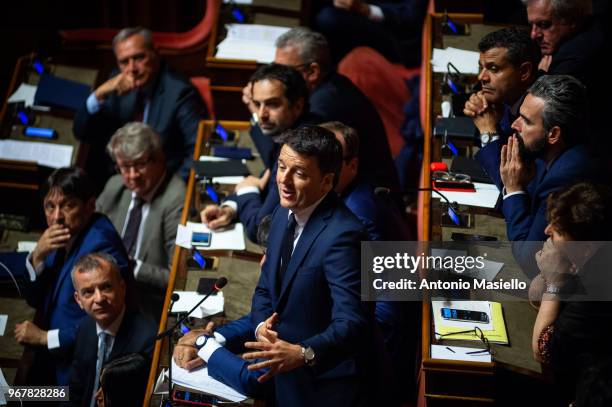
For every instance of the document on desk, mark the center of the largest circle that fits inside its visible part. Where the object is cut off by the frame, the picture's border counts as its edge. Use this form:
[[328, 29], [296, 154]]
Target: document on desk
[[3, 319], [47, 154], [251, 42], [228, 239], [495, 334], [458, 353], [199, 380], [24, 93], [188, 299], [230, 180], [486, 196], [465, 61]]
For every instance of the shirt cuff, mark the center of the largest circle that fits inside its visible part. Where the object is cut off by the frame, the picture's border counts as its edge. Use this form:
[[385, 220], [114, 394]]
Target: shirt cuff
[[506, 195], [137, 267], [93, 104], [33, 272], [247, 190], [376, 13], [208, 349], [53, 339], [231, 204], [257, 329], [220, 338]]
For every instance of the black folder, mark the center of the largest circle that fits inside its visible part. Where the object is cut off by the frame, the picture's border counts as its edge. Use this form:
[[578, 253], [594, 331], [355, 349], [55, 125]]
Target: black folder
[[208, 169]]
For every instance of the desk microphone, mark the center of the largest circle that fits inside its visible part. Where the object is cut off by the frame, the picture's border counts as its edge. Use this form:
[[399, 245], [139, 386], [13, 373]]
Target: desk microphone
[[219, 284]]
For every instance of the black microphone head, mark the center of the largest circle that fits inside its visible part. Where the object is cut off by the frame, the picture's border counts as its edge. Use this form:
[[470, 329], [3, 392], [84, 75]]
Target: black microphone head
[[220, 283], [175, 297]]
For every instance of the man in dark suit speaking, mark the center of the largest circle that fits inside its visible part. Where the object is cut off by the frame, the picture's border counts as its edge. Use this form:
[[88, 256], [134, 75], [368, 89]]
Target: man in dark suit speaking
[[110, 329], [306, 323], [145, 90]]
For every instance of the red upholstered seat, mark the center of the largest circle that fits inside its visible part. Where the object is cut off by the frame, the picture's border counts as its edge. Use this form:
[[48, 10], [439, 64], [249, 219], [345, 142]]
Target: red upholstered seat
[[384, 84], [196, 37], [202, 83]]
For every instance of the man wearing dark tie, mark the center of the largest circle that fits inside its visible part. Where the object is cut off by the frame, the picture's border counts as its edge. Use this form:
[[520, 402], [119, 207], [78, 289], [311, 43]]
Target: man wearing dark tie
[[74, 230], [110, 329], [307, 327], [144, 202], [145, 89]]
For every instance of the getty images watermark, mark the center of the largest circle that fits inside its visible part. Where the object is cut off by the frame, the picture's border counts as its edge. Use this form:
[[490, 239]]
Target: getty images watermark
[[405, 271]]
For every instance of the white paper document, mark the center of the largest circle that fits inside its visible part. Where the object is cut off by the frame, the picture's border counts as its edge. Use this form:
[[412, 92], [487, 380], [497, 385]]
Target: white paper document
[[26, 246], [465, 61], [188, 299], [199, 379], [24, 93], [228, 239], [47, 154], [486, 196], [3, 319], [253, 42], [483, 306], [230, 180], [458, 353]]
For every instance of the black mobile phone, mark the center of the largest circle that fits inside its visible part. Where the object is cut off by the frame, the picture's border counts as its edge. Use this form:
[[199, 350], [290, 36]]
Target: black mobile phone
[[466, 237], [464, 315], [193, 398]]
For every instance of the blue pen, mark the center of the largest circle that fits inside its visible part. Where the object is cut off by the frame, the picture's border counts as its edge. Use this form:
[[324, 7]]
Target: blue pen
[[452, 26], [238, 15], [221, 132], [212, 193], [452, 148]]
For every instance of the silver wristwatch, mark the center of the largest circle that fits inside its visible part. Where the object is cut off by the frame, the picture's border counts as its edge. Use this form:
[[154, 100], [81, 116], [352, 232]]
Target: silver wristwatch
[[487, 137], [309, 356], [201, 341]]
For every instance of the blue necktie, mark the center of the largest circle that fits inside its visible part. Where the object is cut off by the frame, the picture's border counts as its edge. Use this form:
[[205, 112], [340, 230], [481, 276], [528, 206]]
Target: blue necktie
[[102, 355], [287, 248]]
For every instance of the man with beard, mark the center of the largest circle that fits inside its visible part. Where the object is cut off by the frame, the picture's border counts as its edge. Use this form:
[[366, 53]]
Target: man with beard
[[280, 98], [543, 156]]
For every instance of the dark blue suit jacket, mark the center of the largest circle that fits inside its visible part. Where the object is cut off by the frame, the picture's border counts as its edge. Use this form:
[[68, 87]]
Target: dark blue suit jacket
[[525, 214], [174, 112], [318, 305], [53, 292], [336, 98], [136, 335]]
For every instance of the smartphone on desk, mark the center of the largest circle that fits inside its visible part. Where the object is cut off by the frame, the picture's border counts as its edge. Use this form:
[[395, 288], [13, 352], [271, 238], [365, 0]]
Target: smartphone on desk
[[197, 261], [464, 315], [201, 239], [190, 398]]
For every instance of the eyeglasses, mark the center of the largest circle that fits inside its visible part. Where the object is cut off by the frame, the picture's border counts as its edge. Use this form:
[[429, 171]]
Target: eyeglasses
[[476, 332], [139, 166], [450, 176]]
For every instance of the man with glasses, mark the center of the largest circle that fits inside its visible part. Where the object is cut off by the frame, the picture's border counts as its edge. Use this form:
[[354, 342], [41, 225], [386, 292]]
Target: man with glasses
[[74, 230], [144, 202]]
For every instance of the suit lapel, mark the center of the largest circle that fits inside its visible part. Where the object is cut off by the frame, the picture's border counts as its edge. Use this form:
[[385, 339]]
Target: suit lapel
[[124, 206], [153, 219], [312, 229], [123, 336], [156, 103]]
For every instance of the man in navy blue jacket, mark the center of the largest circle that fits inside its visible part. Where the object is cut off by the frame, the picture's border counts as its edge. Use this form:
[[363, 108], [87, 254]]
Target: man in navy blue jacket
[[74, 230], [306, 324], [545, 155]]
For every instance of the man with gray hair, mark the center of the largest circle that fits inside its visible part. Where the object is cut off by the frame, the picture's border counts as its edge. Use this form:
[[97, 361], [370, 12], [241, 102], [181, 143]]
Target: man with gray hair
[[333, 97], [543, 156], [144, 202], [144, 90], [109, 331]]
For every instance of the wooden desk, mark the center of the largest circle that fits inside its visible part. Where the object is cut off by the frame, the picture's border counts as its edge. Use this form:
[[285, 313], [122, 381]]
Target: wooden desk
[[241, 268], [22, 180], [229, 76], [445, 382]]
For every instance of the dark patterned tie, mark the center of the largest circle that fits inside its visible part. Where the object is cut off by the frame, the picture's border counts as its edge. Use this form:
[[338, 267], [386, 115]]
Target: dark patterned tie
[[102, 356], [131, 231], [287, 248]]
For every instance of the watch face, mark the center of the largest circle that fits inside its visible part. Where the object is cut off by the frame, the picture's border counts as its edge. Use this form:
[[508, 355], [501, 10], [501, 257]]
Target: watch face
[[309, 354], [484, 138], [201, 341]]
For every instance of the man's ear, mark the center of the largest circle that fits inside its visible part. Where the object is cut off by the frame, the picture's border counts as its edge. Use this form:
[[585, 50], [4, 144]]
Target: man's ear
[[554, 136], [78, 300], [328, 182], [525, 71], [314, 73]]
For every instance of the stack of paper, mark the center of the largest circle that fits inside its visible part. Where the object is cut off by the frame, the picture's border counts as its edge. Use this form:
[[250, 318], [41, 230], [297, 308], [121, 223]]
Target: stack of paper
[[252, 42], [47, 154], [228, 239], [494, 331], [199, 380], [230, 180], [188, 299], [486, 196], [465, 61]]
